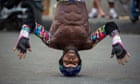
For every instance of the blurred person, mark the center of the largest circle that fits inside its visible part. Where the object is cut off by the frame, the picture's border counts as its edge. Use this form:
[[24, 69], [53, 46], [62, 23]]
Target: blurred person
[[134, 10], [70, 32], [97, 10]]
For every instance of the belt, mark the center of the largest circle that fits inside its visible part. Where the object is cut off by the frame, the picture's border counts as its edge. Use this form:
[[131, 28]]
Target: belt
[[71, 0]]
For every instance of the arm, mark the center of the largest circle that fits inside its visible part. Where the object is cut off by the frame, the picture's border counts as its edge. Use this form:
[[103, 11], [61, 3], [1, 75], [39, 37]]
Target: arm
[[118, 48], [42, 33], [23, 44]]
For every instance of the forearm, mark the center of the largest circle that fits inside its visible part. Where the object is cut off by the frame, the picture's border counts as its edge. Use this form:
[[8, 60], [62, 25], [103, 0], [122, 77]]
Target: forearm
[[109, 28], [40, 32], [98, 35], [25, 30]]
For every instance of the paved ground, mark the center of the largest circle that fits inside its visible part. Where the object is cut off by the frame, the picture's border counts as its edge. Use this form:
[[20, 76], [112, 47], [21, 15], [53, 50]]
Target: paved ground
[[41, 65]]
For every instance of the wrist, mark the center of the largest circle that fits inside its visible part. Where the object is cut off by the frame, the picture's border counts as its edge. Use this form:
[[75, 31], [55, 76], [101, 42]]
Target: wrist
[[25, 31], [116, 39]]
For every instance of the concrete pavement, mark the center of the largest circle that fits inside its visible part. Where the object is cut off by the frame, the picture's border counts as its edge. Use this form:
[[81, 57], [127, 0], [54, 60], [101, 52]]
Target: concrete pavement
[[41, 65]]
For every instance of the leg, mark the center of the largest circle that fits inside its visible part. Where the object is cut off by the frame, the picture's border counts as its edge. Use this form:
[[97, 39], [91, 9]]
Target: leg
[[135, 10], [97, 9], [100, 8], [112, 11], [94, 10]]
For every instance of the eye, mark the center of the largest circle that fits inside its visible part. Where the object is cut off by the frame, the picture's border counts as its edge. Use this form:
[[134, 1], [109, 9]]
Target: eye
[[66, 62]]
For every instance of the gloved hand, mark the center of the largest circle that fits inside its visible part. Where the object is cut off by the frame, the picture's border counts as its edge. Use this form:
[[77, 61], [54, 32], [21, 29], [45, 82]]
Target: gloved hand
[[23, 42], [120, 52]]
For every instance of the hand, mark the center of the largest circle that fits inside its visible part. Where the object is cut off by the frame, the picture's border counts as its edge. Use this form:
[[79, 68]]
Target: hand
[[121, 53], [23, 41], [22, 47]]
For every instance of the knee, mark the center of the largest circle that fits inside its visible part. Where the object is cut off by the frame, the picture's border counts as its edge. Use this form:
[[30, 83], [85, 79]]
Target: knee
[[111, 26]]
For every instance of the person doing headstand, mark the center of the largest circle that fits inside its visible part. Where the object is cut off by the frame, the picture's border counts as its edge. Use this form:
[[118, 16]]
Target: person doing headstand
[[70, 32]]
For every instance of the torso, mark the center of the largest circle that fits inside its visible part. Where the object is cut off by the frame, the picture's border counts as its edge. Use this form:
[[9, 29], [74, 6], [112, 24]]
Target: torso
[[70, 26]]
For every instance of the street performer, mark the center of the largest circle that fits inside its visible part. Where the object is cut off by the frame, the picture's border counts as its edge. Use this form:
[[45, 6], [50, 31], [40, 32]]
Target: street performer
[[70, 32]]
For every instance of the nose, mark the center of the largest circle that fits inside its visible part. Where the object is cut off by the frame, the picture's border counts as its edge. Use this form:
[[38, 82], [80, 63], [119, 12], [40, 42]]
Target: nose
[[71, 59]]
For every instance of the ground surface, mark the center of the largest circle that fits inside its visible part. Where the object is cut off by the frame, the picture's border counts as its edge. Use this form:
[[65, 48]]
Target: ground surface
[[41, 65]]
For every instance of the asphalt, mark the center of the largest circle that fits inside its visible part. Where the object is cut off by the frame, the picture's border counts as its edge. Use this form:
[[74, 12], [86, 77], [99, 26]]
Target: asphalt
[[41, 65]]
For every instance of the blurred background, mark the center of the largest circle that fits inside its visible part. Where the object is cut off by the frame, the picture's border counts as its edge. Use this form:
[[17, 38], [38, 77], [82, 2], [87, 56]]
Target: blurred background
[[14, 13], [121, 7], [126, 10]]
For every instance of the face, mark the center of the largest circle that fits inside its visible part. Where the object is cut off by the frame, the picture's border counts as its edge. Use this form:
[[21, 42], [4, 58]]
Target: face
[[70, 59]]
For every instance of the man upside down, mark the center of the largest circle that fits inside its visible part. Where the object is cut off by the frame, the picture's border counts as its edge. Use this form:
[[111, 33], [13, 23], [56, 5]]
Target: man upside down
[[70, 32]]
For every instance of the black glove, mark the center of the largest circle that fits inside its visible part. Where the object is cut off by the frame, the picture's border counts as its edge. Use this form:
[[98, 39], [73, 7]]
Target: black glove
[[118, 50], [23, 44]]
